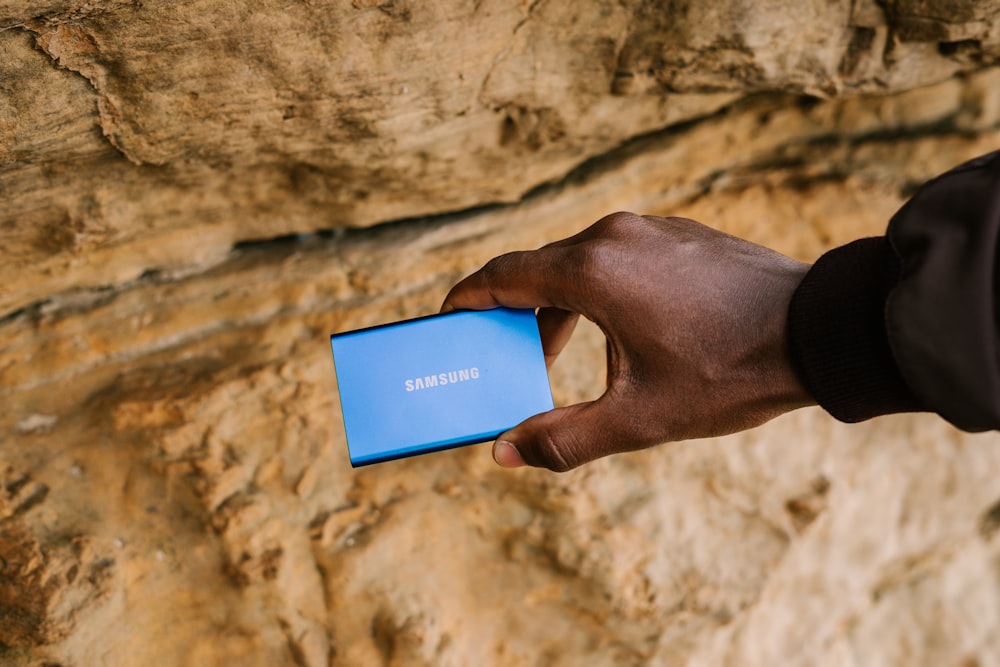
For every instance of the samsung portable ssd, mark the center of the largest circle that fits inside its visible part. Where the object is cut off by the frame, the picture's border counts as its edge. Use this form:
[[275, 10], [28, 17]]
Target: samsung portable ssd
[[438, 382]]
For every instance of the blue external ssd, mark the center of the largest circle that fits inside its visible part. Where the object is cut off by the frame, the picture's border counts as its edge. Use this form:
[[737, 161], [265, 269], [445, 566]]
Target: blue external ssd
[[438, 382]]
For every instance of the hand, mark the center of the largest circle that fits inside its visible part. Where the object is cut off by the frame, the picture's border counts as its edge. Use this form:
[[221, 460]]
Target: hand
[[695, 322]]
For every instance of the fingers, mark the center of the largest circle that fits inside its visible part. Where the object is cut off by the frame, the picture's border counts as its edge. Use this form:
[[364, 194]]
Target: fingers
[[563, 439], [517, 280], [555, 326], [506, 455], [556, 275]]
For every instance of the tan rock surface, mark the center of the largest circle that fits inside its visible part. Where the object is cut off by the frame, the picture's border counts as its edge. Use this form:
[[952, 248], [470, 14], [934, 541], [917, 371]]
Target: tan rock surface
[[174, 485], [126, 127]]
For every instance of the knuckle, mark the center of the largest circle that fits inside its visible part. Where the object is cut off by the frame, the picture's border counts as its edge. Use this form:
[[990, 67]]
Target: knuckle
[[617, 222], [606, 251], [495, 268], [552, 454], [495, 272], [598, 261]]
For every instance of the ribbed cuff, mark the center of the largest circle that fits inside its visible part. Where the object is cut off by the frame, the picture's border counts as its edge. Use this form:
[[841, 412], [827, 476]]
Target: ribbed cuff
[[837, 333]]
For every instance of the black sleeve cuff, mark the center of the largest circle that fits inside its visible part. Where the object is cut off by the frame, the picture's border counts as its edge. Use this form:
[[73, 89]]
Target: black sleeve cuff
[[837, 333]]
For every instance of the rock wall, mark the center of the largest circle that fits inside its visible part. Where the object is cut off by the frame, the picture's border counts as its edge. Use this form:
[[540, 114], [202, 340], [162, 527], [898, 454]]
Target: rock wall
[[197, 194]]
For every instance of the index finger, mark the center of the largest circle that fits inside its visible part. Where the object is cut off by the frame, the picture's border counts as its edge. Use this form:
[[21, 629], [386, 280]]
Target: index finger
[[523, 279]]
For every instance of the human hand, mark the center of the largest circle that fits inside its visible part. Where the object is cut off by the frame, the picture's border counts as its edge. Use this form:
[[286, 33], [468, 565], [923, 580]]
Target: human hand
[[695, 322]]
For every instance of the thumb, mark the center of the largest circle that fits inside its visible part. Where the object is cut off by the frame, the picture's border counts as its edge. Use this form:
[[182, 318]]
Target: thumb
[[560, 439]]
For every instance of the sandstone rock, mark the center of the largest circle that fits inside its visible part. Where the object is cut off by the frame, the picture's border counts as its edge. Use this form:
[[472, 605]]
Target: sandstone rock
[[45, 590], [195, 425], [152, 136], [174, 485]]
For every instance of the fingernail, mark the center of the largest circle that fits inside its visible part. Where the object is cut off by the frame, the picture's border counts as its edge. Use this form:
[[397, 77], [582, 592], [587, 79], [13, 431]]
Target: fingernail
[[506, 455]]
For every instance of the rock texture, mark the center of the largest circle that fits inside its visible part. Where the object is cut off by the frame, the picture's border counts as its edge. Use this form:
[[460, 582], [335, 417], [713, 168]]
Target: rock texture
[[197, 194], [142, 136]]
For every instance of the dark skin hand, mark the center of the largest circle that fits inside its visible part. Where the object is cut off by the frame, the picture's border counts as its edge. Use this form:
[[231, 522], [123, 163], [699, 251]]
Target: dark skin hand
[[695, 322]]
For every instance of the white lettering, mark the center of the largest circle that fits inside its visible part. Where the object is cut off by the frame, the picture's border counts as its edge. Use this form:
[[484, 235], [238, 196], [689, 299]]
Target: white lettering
[[442, 379]]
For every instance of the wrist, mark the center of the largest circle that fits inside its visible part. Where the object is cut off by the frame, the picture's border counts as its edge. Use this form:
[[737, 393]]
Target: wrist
[[787, 389]]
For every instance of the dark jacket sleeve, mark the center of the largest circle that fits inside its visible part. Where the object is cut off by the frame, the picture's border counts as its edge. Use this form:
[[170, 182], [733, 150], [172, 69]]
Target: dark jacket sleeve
[[909, 321]]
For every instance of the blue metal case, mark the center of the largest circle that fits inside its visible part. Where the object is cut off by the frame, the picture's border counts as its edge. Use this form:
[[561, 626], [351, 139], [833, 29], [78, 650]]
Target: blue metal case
[[438, 382]]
